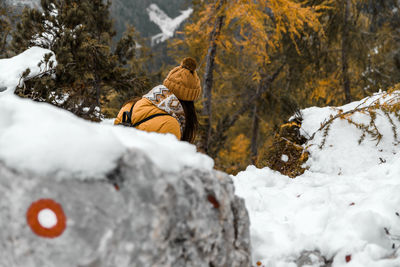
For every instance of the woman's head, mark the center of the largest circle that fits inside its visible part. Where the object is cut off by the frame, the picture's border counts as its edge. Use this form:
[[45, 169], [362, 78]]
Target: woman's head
[[191, 122], [183, 81]]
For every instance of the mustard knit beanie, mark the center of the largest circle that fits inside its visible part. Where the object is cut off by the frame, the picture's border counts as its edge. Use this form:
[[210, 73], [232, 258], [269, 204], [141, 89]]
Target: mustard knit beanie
[[183, 81]]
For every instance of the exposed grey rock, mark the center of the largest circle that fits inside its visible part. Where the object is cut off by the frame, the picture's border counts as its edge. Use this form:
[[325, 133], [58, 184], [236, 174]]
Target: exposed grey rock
[[2, 89], [312, 258], [191, 218]]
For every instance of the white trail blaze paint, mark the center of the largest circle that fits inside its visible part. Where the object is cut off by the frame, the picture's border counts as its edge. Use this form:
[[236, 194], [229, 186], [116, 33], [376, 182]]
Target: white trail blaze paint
[[47, 218]]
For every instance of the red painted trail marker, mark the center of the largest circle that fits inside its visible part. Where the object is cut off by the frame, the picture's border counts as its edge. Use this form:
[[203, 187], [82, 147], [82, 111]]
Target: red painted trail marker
[[213, 201], [46, 218], [348, 258]]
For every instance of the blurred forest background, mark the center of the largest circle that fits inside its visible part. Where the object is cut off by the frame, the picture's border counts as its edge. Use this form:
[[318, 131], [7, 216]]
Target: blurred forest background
[[260, 61]]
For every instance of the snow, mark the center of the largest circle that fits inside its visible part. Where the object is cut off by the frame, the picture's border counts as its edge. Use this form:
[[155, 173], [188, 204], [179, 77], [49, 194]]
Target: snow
[[47, 38], [46, 140], [341, 153], [347, 203], [167, 25], [316, 212], [12, 68]]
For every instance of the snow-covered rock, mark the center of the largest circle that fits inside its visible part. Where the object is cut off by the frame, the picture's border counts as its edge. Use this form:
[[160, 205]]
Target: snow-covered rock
[[343, 211], [13, 68], [46, 140], [140, 215]]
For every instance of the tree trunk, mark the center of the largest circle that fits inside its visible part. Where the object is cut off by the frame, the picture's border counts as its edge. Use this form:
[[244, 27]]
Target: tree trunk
[[218, 140], [345, 52], [97, 87], [97, 80], [254, 137], [3, 43], [208, 79]]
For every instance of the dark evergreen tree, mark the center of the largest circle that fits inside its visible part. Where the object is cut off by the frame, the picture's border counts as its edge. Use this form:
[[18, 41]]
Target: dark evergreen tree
[[80, 33], [7, 19]]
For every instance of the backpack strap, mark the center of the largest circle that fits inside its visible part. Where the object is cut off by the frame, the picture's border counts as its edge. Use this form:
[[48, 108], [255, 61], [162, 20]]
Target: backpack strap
[[149, 118], [127, 116]]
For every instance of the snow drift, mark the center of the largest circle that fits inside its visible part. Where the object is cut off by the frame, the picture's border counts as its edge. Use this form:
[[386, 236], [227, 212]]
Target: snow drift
[[343, 211], [46, 140], [13, 68]]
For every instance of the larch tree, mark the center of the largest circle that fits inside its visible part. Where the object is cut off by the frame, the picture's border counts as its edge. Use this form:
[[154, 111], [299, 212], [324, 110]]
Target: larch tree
[[260, 28], [274, 56], [349, 61], [355, 57], [201, 39], [245, 64], [209, 73]]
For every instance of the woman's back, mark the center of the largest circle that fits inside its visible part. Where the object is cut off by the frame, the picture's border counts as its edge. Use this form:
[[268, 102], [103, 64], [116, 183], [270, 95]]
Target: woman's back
[[167, 108], [144, 109]]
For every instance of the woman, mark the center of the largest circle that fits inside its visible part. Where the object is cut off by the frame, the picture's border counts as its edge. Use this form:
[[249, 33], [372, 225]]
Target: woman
[[167, 108]]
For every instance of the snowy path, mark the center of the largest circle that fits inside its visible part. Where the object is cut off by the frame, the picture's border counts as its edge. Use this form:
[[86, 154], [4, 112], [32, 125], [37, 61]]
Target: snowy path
[[339, 216]]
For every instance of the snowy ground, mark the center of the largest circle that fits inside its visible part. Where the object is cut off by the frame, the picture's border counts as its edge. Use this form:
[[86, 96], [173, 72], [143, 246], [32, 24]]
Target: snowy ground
[[346, 205]]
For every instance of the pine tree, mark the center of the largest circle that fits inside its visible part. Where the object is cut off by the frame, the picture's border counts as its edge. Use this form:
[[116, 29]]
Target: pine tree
[[80, 33], [132, 76]]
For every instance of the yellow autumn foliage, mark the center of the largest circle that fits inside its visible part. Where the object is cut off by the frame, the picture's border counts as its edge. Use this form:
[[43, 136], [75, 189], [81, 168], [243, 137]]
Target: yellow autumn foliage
[[303, 38], [235, 157], [326, 91]]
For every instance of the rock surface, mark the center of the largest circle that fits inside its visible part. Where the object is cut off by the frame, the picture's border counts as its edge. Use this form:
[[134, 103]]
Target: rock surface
[[141, 216], [312, 258]]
